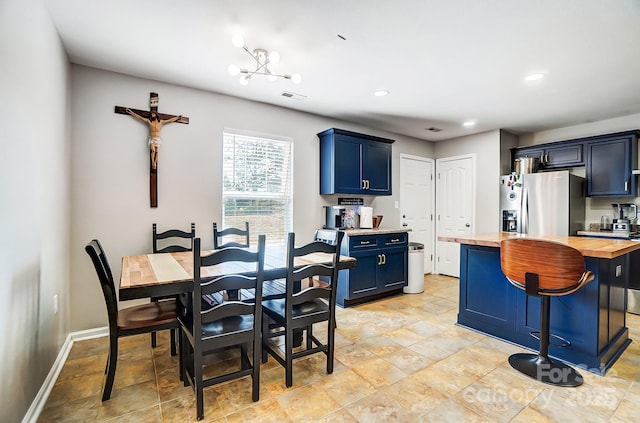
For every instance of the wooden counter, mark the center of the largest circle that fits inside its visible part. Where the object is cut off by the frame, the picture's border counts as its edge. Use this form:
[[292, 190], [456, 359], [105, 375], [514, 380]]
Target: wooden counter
[[592, 319], [589, 247]]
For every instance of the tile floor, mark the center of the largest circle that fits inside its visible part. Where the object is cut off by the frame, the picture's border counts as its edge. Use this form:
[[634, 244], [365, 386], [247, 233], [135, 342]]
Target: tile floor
[[397, 359]]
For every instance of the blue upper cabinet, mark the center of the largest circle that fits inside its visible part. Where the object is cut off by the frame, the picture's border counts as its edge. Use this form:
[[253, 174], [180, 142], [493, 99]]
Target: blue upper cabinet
[[353, 163], [610, 163], [554, 156]]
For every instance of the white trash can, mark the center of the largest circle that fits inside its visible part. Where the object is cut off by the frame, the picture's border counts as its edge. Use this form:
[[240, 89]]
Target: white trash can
[[416, 269]]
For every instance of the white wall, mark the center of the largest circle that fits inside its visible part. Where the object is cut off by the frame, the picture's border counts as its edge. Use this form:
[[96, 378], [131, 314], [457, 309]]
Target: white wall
[[34, 215], [110, 169], [486, 147], [595, 207], [619, 124]]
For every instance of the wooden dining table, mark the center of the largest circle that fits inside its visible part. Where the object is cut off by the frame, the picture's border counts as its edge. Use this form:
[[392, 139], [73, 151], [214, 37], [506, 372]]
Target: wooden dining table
[[162, 274]]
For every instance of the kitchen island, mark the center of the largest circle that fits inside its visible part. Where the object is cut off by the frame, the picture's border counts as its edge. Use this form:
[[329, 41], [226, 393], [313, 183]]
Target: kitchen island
[[592, 319]]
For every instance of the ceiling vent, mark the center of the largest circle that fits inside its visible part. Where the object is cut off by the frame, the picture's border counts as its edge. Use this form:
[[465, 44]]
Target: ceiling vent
[[434, 129], [293, 95]]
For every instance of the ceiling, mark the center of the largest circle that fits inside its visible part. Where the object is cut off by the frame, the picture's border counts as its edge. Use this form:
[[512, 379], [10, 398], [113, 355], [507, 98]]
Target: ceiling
[[444, 62]]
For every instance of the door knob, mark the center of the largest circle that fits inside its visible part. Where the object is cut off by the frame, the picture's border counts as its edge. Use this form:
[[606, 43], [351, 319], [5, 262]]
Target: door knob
[[467, 224]]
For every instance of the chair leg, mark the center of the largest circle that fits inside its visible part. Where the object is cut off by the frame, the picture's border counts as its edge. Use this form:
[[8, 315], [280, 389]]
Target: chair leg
[[288, 369], [255, 360], [330, 342], [309, 336], [173, 342], [244, 358], [265, 338], [198, 384], [112, 361], [153, 340], [186, 358], [540, 366]]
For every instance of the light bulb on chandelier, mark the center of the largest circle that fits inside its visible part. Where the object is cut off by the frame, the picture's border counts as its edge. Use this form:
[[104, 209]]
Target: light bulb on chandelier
[[263, 59]]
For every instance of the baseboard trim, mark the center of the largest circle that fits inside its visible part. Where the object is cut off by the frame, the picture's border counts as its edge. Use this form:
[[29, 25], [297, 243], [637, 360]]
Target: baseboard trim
[[43, 394]]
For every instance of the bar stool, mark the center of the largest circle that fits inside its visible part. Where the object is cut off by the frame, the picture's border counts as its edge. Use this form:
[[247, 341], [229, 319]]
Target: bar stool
[[544, 269]]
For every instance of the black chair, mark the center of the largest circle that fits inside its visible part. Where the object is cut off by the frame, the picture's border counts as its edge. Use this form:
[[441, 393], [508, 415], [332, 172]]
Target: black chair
[[228, 323], [544, 269], [134, 320], [177, 240], [171, 241], [298, 311], [236, 233]]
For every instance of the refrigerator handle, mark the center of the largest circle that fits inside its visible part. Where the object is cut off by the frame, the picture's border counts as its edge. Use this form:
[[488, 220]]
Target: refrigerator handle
[[524, 212]]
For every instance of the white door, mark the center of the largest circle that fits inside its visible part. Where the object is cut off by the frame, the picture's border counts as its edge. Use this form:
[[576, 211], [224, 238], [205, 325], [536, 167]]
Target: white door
[[416, 203], [455, 208]]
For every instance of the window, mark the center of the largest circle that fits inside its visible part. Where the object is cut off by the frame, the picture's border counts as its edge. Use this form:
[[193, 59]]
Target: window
[[257, 184]]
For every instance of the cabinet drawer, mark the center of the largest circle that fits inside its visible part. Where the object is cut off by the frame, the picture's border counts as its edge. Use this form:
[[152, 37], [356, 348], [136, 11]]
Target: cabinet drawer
[[395, 239], [363, 242]]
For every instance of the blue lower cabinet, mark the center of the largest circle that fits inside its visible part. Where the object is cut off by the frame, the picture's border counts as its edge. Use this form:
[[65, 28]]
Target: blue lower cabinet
[[590, 322], [381, 267], [487, 299]]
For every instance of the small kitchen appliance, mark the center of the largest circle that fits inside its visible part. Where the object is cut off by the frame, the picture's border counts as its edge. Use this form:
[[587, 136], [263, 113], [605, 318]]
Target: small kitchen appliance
[[334, 217], [626, 215]]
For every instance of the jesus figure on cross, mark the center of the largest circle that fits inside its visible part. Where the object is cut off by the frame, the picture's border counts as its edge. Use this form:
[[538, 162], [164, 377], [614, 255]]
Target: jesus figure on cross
[[155, 125]]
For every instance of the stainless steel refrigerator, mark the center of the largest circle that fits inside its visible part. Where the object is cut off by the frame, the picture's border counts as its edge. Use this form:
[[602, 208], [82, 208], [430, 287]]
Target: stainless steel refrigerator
[[545, 203]]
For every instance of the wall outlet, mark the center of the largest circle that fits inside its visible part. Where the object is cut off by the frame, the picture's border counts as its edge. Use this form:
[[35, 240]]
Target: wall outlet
[[396, 204], [55, 304]]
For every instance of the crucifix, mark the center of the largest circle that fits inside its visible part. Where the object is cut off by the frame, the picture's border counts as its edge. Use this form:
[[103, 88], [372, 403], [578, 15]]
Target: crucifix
[[155, 121]]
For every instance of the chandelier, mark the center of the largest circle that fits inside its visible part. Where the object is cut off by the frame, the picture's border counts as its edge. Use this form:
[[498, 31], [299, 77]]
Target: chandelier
[[263, 59]]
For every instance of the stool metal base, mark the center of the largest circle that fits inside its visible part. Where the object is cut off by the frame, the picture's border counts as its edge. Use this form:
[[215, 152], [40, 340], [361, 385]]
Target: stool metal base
[[545, 370]]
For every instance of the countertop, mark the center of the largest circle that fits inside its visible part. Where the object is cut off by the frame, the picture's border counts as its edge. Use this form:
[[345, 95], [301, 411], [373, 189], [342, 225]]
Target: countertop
[[589, 247], [377, 231], [605, 234]]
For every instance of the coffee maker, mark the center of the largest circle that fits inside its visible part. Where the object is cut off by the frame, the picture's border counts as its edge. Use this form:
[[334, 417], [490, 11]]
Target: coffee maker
[[340, 217], [625, 217], [334, 217]]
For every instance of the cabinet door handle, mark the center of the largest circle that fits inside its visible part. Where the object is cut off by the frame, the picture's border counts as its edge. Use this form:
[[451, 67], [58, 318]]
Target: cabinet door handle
[[365, 242], [384, 259], [395, 240], [626, 186], [364, 184], [379, 259]]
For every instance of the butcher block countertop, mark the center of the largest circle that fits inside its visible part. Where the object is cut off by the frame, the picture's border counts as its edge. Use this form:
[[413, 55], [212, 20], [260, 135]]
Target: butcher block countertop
[[589, 247]]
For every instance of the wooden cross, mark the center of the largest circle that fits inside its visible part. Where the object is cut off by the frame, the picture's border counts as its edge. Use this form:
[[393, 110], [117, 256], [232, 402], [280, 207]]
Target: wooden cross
[[155, 121]]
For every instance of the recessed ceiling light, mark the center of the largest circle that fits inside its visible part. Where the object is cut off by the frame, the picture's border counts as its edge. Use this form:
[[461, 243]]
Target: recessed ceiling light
[[381, 93], [534, 77], [469, 123]]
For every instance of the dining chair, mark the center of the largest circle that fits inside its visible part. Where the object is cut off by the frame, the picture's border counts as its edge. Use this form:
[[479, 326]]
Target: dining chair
[[145, 318], [226, 324], [300, 309], [171, 241], [237, 235]]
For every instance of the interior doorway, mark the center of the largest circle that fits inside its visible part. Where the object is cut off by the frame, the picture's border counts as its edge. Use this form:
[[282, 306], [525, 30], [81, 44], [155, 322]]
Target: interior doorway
[[455, 208], [417, 202]]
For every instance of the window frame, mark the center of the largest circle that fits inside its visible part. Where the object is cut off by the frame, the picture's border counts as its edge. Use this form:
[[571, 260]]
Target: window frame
[[286, 196]]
